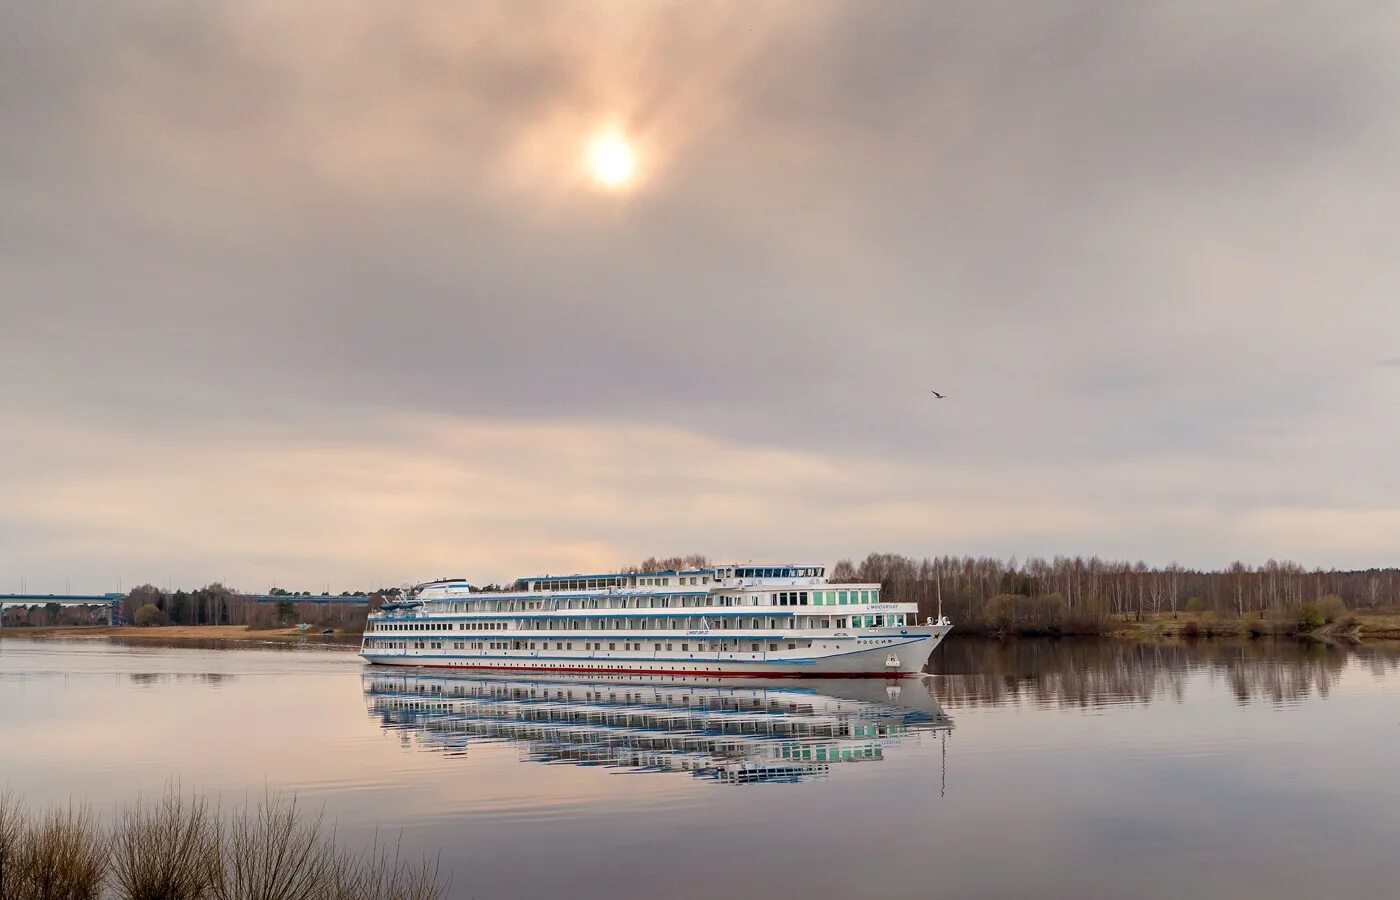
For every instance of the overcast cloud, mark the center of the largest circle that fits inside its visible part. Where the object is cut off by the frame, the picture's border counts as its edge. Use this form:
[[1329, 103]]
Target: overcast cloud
[[317, 293]]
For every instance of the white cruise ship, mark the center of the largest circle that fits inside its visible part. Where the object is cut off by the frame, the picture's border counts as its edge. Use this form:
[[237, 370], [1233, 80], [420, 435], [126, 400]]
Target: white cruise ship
[[725, 620]]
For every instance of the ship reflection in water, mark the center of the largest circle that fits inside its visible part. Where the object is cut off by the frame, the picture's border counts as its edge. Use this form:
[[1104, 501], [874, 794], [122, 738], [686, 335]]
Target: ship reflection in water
[[726, 731]]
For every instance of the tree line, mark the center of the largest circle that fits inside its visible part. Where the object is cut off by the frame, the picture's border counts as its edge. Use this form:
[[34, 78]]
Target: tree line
[[985, 591], [46, 614], [217, 604]]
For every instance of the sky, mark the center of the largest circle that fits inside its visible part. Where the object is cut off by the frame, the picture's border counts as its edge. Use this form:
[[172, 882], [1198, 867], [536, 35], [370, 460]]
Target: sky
[[326, 294]]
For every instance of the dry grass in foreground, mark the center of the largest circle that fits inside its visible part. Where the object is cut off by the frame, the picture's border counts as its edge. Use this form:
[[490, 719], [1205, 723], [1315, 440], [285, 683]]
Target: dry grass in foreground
[[179, 848]]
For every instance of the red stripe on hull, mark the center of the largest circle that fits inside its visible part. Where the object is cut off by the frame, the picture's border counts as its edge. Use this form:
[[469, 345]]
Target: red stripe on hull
[[590, 670]]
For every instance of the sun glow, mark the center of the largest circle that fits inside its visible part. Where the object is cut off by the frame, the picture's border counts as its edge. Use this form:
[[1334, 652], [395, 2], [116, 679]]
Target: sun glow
[[611, 161]]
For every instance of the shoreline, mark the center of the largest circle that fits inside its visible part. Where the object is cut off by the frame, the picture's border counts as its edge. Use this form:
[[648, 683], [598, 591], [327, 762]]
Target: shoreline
[[184, 633], [1355, 627]]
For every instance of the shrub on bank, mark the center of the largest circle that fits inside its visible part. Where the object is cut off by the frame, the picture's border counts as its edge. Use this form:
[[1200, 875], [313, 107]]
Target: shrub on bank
[[179, 849], [59, 855], [1332, 608], [263, 618], [11, 828], [167, 848], [62, 856], [1310, 617], [149, 615]]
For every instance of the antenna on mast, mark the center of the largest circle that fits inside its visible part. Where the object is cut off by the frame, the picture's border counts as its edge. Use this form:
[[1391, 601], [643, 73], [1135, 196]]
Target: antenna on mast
[[938, 584]]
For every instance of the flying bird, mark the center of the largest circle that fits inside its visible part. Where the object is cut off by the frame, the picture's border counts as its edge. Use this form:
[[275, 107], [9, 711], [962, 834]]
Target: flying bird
[[936, 394]]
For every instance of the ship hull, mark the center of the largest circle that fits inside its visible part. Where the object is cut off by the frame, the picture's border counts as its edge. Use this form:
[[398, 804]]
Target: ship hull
[[881, 653]]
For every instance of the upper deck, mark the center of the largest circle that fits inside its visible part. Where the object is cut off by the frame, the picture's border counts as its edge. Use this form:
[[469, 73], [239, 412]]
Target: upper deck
[[716, 576], [745, 586]]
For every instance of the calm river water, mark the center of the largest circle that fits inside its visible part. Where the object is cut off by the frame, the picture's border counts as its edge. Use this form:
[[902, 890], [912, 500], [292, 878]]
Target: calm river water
[[1047, 769]]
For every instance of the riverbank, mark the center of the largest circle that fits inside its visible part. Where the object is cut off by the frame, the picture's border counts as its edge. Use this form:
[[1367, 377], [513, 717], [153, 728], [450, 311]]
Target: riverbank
[[180, 633], [1354, 626]]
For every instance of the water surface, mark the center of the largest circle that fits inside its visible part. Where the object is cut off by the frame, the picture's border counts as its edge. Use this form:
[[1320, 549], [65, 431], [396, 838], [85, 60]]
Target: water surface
[[1054, 769]]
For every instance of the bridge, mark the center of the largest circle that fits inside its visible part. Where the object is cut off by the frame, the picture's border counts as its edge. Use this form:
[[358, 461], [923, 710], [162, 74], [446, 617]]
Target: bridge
[[111, 601]]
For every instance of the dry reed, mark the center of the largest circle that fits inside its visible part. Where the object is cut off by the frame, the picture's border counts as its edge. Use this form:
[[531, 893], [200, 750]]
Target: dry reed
[[174, 848], [12, 826], [166, 849], [60, 855]]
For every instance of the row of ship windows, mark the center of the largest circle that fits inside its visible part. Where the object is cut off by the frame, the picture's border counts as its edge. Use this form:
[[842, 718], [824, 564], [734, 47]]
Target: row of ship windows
[[627, 646], [824, 598], [619, 581], [780, 598], [602, 584], [581, 584], [436, 626], [677, 623], [841, 598], [437, 645]]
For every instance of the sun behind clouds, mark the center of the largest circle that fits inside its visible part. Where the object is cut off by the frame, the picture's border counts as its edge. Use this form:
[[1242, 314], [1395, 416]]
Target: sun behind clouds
[[611, 160]]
